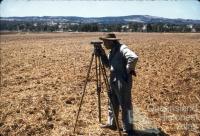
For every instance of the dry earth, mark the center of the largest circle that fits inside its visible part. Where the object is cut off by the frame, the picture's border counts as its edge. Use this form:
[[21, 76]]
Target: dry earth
[[42, 77]]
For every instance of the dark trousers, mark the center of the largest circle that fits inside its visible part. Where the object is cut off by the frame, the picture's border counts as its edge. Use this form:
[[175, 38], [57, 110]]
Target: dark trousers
[[121, 97]]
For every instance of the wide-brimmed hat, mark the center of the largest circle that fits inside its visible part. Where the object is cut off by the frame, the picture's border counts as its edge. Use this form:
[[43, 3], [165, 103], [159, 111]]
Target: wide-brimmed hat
[[109, 36]]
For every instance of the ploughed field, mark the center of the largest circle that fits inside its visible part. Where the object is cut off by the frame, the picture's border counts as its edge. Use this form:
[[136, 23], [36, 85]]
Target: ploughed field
[[42, 78]]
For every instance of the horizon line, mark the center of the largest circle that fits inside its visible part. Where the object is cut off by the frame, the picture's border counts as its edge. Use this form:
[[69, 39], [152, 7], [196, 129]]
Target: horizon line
[[97, 17]]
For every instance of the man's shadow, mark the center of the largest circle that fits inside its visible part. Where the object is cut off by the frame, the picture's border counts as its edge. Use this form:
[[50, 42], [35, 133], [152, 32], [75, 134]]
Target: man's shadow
[[150, 132]]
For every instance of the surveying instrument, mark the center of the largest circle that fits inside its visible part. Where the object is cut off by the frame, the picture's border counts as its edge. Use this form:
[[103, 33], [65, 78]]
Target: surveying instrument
[[100, 72]]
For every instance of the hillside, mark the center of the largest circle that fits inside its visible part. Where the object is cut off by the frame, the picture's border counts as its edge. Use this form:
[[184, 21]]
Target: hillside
[[104, 20]]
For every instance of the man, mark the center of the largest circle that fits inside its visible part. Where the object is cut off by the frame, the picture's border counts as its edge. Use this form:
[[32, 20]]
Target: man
[[121, 61]]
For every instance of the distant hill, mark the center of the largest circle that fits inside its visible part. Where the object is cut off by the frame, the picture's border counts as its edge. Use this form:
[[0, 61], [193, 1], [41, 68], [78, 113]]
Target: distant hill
[[103, 20]]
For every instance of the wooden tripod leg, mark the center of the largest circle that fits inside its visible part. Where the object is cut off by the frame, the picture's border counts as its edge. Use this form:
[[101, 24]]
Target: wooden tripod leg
[[88, 73], [98, 84]]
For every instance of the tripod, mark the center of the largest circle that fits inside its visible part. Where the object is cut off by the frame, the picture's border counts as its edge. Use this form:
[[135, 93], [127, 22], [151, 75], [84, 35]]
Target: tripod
[[100, 72]]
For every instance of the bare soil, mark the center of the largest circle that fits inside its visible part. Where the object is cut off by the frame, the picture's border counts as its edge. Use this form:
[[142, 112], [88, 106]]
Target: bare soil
[[42, 77]]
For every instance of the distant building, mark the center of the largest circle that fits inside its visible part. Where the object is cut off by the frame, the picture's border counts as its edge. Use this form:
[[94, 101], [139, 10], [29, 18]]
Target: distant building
[[104, 30], [190, 26], [74, 23], [144, 28], [52, 23], [35, 24], [193, 30], [60, 26], [124, 28]]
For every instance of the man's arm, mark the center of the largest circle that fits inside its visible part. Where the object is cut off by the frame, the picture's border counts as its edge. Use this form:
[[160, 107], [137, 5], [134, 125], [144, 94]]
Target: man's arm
[[131, 59]]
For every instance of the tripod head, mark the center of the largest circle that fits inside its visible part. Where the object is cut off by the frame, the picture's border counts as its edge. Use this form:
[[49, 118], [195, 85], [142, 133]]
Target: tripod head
[[97, 44], [97, 47]]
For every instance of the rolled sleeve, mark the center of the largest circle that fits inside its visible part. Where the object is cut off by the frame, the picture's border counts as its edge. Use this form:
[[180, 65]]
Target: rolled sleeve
[[130, 57]]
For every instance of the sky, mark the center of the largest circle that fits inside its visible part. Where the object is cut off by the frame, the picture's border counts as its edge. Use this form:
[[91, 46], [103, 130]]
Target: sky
[[186, 9]]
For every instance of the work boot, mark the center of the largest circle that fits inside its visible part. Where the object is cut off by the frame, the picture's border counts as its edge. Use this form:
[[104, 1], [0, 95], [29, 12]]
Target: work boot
[[108, 126]]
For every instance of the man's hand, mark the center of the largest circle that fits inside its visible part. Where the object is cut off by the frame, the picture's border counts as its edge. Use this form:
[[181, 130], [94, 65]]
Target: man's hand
[[132, 72]]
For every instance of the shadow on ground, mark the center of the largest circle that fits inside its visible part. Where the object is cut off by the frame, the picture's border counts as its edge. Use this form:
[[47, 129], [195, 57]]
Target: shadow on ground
[[150, 132]]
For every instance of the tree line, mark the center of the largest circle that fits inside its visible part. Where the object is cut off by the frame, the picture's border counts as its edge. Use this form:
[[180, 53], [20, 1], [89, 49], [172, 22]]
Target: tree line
[[94, 27]]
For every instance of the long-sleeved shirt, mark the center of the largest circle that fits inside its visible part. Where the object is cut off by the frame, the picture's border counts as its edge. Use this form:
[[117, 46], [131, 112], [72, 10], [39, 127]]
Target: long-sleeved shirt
[[121, 60]]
